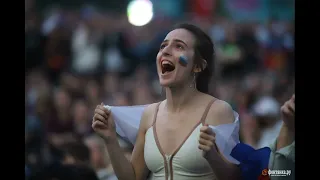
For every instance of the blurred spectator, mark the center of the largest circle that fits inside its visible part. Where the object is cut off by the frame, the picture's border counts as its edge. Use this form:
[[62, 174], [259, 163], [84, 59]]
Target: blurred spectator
[[60, 127], [34, 42], [93, 93], [250, 48], [262, 34], [110, 83], [81, 118], [71, 83], [57, 52], [86, 40], [275, 55], [64, 172], [217, 31], [229, 56], [121, 99], [75, 153], [99, 158], [265, 124]]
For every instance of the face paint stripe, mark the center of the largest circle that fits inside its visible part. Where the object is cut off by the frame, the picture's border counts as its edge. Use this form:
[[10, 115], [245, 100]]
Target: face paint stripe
[[183, 60]]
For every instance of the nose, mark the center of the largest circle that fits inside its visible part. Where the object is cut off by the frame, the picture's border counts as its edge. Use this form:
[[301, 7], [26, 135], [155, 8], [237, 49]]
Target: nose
[[167, 51]]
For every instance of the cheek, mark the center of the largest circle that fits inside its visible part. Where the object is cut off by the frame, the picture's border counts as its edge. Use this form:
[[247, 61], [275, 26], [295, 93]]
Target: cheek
[[188, 57], [184, 72], [185, 69], [158, 59]]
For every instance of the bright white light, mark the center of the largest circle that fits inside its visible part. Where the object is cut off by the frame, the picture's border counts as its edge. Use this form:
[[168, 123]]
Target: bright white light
[[140, 12]]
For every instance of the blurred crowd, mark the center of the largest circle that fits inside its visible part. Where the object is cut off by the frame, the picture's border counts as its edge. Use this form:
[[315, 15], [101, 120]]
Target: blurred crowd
[[76, 59]]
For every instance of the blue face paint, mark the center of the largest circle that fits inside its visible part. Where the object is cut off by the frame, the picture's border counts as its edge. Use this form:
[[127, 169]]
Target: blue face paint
[[183, 60]]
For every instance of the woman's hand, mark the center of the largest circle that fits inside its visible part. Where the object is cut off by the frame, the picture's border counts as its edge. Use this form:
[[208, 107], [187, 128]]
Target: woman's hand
[[207, 142], [103, 123]]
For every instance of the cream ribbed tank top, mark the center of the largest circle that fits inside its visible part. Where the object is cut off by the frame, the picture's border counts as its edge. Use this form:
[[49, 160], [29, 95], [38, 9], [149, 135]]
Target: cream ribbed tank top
[[186, 163]]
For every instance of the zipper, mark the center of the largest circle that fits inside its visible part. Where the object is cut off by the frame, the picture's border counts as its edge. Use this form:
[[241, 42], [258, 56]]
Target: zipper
[[168, 167]]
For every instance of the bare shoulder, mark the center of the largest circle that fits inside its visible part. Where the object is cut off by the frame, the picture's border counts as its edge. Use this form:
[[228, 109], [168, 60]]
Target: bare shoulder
[[220, 112], [148, 114]]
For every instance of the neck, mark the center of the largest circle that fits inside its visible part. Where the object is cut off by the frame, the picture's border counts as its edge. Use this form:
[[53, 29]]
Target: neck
[[179, 97]]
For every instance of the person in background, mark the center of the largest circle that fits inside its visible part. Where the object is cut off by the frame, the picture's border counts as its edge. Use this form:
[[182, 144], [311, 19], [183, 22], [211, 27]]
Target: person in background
[[38, 150], [265, 124], [75, 153], [283, 149], [60, 128], [229, 56], [99, 158], [58, 171], [92, 92], [81, 118]]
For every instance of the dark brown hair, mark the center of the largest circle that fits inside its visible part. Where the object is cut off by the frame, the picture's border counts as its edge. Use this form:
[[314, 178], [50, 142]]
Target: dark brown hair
[[204, 49]]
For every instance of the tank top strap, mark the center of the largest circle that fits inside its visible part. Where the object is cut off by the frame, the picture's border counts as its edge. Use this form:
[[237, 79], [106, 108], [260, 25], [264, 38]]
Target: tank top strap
[[203, 118], [156, 113]]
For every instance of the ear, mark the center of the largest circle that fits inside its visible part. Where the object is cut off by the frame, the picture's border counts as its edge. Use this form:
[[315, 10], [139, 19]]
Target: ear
[[200, 68]]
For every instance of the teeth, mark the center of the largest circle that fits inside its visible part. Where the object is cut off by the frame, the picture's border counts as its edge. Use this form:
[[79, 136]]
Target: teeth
[[167, 66], [166, 62]]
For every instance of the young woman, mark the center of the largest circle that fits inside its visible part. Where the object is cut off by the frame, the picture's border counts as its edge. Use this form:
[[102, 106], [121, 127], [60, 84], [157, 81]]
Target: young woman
[[174, 140]]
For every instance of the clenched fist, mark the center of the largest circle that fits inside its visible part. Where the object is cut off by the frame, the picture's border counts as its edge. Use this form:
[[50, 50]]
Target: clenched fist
[[207, 141], [288, 113], [103, 123]]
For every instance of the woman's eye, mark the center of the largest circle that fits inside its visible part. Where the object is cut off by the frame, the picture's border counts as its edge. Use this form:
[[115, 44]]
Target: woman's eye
[[162, 46], [179, 46]]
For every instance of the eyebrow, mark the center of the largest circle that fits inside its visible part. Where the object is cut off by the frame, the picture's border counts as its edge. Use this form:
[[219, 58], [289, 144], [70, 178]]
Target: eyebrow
[[176, 40]]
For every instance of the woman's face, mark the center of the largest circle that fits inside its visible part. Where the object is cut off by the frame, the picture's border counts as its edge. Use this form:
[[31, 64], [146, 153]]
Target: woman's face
[[171, 73]]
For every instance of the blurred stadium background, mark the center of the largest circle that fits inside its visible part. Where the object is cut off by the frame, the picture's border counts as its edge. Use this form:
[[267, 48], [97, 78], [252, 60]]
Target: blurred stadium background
[[79, 53]]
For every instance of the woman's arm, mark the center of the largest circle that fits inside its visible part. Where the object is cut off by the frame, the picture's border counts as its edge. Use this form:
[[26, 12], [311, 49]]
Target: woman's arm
[[221, 113], [136, 169]]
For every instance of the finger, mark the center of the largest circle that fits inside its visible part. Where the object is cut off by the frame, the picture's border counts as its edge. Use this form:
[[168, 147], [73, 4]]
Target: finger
[[98, 117], [107, 111], [206, 129], [291, 106], [203, 147], [99, 124], [206, 136], [205, 142], [293, 97], [101, 112], [286, 111]]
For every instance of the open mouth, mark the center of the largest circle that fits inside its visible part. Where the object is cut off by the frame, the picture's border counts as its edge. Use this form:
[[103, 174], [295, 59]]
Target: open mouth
[[167, 66]]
